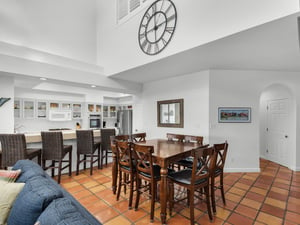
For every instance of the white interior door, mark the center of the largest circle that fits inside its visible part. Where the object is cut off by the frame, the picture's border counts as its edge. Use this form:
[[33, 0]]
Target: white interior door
[[277, 131]]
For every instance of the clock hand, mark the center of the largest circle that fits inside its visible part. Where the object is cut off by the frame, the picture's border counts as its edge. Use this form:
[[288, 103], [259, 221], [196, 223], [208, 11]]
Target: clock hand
[[156, 27]]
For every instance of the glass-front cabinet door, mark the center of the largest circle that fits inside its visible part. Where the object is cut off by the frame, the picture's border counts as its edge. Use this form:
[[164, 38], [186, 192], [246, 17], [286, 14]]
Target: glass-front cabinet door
[[17, 108], [42, 109], [76, 110], [28, 109]]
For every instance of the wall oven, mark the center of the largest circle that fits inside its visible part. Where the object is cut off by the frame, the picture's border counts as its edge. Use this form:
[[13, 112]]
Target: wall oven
[[95, 121]]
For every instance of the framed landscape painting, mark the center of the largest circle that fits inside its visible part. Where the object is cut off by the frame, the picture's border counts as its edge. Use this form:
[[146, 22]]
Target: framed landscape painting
[[234, 114]]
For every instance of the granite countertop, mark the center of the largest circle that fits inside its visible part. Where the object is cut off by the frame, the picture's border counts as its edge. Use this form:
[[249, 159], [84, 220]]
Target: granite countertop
[[67, 135]]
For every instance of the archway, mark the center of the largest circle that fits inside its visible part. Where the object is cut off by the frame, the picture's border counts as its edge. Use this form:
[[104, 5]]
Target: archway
[[278, 125]]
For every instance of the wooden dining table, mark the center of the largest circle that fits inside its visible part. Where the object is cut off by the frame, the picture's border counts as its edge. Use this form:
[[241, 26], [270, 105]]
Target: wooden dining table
[[165, 153]]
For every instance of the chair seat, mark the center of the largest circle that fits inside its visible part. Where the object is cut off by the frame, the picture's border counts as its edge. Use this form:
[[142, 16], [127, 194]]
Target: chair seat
[[67, 148], [184, 177], [156, 174], [33, 152]]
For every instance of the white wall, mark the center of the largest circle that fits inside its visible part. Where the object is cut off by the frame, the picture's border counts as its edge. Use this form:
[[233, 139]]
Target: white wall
[[199, 22], [193, 88], [61, 27], [243, 88], [7, 110]]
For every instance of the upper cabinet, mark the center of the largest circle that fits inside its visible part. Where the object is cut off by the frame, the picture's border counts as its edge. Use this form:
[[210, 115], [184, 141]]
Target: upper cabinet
[[109, 111], [42, 109], [77, 110], [94, 108], [28, 109], [17, 108]]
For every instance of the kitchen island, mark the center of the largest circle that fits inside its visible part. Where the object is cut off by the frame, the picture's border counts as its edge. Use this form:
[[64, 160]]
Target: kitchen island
[[34, 140]]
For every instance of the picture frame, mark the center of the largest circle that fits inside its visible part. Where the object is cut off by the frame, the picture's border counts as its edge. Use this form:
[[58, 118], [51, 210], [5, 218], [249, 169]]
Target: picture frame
[[234, 115]]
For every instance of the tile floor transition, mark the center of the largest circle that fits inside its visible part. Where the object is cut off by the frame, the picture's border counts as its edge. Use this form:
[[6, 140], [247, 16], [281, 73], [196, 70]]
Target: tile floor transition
[[270, 197]]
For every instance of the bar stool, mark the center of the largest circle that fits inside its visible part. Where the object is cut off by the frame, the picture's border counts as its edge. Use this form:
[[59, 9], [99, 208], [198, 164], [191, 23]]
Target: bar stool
[[55, 150], [87, 146], [106, 144], [14, 148]]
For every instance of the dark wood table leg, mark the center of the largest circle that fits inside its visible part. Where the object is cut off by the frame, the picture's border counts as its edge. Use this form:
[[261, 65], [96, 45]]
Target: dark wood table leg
[[114, 173], [163, 194]]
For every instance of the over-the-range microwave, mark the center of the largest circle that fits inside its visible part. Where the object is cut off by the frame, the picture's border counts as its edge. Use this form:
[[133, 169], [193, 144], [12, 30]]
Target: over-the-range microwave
[[60, 115]]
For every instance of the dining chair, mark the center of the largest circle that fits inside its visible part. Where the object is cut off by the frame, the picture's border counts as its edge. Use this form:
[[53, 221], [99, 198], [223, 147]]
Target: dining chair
[[87, 146], [188, 162], [127, 169], [194, 178], [138, 137], [14, 148], [175, 137], [221, 152], [148, 171], [106, 144], [55, 151], [113, 140]]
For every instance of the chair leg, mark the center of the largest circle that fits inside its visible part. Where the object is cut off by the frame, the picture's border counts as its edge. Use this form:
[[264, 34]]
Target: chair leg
[[59, 171], [84, 162], [206, 189], [131, 191], [119, 185], [101, 159], [171, 197], [99, 165], [78, 162], [138, 185], [39, 158], [153, 197], [70, 163], [52, 169], [212, 193], [191, 205], [222, 189], [91, 166], [106, 156]]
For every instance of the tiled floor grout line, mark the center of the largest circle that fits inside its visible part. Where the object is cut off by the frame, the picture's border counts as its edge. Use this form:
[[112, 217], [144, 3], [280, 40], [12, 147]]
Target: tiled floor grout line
[[241, 188]]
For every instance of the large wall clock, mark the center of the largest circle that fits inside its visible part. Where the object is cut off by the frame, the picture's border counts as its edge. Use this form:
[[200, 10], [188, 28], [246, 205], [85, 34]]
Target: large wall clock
[[157, 26]]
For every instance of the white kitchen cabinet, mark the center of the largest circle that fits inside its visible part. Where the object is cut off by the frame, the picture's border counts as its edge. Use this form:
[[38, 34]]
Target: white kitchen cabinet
[[42, 109], [17, 108], [28, 109]]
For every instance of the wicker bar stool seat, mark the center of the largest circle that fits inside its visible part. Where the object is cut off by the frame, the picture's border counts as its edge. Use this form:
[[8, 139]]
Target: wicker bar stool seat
[[14, 148], [87, 146], [55, 151]]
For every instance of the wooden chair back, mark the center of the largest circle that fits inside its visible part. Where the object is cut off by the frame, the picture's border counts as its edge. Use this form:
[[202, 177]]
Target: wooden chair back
[[197, 139], [175, 137], [138, 137], [124, 154]]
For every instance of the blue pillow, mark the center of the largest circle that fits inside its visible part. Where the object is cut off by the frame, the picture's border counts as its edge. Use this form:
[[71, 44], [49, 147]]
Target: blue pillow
[[61, 211], [36, 195], [29, 169]]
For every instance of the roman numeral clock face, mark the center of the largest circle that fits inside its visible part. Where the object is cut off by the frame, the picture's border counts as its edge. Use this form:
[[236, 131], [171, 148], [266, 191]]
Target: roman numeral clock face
[[157, 26]]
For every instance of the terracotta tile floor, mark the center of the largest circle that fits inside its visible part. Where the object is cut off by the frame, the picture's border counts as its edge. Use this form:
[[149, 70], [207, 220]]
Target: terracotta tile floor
[[269, 197]]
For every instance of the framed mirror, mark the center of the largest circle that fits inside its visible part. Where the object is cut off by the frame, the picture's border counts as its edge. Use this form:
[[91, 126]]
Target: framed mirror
[[170, 113]]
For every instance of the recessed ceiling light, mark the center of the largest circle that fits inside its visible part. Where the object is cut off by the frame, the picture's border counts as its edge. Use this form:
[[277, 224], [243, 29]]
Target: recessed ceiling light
[[43, 78], [93, 86]]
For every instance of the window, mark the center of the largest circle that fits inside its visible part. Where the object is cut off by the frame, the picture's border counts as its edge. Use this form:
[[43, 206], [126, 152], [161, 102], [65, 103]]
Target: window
[[128, 8]]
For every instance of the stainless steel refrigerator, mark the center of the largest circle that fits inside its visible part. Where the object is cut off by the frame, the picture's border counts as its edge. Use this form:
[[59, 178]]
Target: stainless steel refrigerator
[[124, 122]]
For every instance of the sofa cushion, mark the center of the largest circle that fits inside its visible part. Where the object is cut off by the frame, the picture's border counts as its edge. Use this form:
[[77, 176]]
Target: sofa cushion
[[9, 192], [29, 170], [61, 211], [37, 194], [9, 176]]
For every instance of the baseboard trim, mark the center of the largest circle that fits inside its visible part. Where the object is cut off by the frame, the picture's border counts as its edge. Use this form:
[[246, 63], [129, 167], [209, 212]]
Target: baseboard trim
[[242, 170]]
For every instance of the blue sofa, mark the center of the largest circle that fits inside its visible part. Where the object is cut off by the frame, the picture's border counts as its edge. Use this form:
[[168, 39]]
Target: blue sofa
[[42, 201]]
